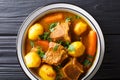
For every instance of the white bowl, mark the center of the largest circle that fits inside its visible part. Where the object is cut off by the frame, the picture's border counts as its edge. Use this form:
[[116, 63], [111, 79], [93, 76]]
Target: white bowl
[[35, 15]]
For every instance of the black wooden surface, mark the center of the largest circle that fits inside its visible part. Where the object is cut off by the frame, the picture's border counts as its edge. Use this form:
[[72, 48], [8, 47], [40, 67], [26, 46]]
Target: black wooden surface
[[13, 12]]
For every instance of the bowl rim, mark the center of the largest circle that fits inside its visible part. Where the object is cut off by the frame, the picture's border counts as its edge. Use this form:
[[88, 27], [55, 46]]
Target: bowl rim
[[36, 13]]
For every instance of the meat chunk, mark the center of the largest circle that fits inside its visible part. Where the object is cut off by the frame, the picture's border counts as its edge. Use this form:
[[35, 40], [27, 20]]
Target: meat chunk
[[72, 70], [56, 54], [61, 32]]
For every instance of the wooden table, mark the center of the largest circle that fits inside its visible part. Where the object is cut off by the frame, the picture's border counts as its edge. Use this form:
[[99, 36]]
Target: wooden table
[[13, 13]]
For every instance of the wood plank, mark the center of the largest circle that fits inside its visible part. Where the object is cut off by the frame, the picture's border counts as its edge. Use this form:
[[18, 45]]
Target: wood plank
[[14, 12], [14, 77], [8, 50], [110, 68], [12, 71]]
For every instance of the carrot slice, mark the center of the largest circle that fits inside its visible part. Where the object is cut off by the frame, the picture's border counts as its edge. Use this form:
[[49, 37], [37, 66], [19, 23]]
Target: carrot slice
[[92, 43], [53, 17], [44, 44]]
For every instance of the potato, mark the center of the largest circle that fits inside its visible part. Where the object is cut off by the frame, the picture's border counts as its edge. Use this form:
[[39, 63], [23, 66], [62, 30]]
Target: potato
[[80, 27], [76, 49], [32, 60], [46, 72], [35, 31]]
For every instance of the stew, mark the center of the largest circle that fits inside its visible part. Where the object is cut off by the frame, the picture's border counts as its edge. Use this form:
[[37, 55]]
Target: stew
[[60, 46]]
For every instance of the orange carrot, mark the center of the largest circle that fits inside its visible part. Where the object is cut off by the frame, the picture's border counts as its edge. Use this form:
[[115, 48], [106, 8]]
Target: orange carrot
[[92, 43], [43, 44], [53, 17]]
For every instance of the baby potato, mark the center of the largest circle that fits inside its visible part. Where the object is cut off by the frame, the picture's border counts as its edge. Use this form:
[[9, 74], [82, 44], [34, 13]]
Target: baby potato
[[35, 30], [80, 27], [32, 60], [46, 72], [76, 49]]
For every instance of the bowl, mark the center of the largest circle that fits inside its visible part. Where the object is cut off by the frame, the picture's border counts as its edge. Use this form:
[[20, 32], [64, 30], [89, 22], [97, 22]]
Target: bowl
[[35, 15]]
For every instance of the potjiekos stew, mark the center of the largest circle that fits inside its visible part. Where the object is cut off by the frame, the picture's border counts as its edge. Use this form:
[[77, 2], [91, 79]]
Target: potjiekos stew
[[60, 46]]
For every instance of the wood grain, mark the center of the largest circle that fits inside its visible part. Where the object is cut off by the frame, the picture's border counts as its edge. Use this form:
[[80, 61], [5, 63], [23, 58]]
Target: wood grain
[[14, 12]]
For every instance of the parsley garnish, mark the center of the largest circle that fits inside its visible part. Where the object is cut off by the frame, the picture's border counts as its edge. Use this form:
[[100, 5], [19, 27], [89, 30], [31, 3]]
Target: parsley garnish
[[64, 43], [56, 47], [67, 43], [77, 17], [41, 53], [68, 19], [52, 26], [71, 48], [86, 62], [89, 56], [60, 42], [32, 43], [45, 36]]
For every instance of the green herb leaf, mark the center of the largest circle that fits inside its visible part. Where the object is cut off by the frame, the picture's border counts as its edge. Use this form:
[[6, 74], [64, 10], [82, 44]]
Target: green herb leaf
[[49, 39], [68, 19], [41, 53], [56, 47], [45, 36], [59, 76], [57, 68], [67, 43], [60, 42], [71, 48], [52, 26], [32, 43], [64, 43], [89, 56], [77, 17], [86, 62]]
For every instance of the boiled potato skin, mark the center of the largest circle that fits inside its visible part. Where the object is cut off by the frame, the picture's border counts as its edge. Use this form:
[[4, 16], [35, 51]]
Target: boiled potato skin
[[47, 73], [79, 49], [34, 31], [80, 27], [32, 60]]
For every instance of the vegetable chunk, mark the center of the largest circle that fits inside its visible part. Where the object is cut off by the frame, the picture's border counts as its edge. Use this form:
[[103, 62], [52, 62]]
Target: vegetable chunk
[[47, 73], [92, 43], [80, 27], [44, 44], [53, 18], [35, 31], [76, 49], [32, 60]]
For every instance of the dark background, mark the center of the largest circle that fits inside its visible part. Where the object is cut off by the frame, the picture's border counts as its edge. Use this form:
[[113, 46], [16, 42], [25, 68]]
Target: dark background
[[13, 13]]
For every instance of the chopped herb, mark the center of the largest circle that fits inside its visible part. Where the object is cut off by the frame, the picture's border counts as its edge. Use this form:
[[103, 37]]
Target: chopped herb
[[86, 62], [49, 39], [64, 43], [68, 19], [57, 68], [52, 26], [56, 47], [71, 48], [77, 17], [45, 36], [89, 56], [32, 43], [60, 42], [67, 43], [41, 53], [59, 76]]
